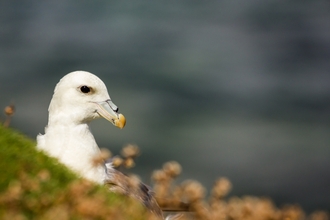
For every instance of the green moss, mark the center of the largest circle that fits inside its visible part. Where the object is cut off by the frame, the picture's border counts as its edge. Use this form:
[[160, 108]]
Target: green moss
[[18, 154], [35, 186]]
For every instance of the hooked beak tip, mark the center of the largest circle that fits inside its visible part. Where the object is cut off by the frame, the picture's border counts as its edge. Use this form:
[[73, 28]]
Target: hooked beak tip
[[121, 122]]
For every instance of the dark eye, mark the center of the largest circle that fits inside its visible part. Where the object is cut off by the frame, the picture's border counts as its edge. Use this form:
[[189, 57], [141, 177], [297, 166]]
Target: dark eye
[[85, 89]]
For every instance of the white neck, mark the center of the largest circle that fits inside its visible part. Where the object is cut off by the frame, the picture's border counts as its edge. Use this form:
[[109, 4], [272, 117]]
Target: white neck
[[74, 145]]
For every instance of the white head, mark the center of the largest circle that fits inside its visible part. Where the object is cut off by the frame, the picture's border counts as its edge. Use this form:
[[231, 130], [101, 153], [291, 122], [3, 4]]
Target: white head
[[81, 97]]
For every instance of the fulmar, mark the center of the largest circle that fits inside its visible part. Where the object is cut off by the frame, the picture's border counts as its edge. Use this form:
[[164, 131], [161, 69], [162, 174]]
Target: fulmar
[[79, 98]]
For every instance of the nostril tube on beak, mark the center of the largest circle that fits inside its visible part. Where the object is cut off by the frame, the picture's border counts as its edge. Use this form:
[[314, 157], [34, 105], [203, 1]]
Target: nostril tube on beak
[[112, 105]]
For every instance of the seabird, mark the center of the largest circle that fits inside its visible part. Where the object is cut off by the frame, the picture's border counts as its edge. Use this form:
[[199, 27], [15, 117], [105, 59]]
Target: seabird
[[79, 98]]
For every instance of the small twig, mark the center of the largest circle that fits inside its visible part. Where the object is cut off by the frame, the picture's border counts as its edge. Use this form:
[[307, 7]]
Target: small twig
[[7, 122], [9, 112]]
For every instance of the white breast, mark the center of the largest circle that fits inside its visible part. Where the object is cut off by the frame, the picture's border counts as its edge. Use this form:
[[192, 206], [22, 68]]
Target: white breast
[[75, 147]]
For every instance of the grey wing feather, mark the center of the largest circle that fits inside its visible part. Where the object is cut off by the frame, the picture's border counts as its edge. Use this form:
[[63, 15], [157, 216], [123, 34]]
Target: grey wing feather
[[121, 183]]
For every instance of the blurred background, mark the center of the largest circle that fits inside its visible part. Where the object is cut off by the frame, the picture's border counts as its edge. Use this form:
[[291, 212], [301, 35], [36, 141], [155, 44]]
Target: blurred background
[[227, 88]]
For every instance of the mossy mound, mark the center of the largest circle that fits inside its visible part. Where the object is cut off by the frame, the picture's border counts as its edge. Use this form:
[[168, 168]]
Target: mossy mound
[[35, 186]]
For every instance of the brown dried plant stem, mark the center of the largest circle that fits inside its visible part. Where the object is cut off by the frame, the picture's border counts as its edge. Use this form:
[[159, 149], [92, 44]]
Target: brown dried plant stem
[[9, 112]]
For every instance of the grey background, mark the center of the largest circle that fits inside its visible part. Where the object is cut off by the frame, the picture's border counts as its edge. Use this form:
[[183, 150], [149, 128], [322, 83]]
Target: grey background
[[226, 88]]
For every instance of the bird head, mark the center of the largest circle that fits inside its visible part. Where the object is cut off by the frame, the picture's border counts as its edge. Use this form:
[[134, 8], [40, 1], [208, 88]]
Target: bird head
[[81, 97]]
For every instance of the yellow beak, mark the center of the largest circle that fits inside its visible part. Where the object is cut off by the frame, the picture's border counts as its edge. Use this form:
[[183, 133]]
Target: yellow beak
[[109, 111]]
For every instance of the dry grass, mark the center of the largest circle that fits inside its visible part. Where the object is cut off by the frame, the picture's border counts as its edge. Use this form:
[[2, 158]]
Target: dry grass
[[189, 199]]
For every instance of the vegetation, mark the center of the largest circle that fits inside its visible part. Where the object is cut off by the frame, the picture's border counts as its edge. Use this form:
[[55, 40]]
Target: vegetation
[[189, 198], [35, 186]]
